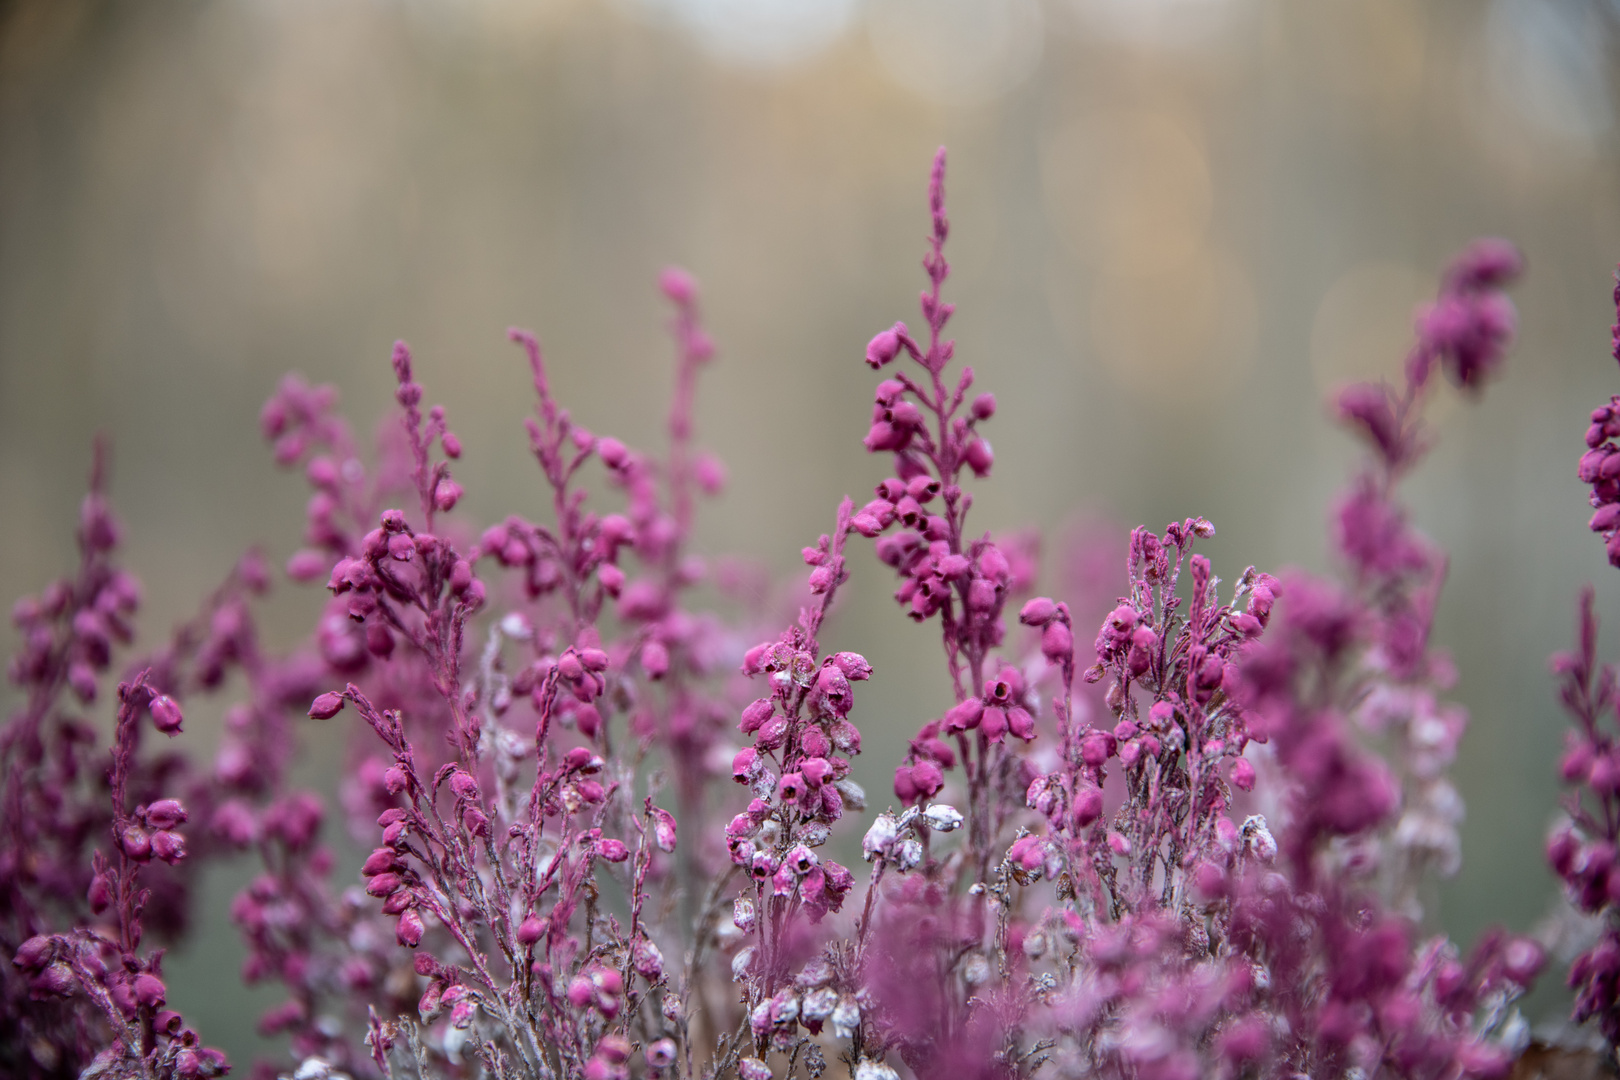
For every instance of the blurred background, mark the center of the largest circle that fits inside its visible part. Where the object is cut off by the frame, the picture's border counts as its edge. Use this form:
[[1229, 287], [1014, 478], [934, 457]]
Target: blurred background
[[1177, 225]]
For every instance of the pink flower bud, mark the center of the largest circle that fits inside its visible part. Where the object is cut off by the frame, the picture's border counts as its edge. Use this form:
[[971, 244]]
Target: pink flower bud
[[1088, 807], [326, 706], [166, 715], [655, 659], [446, 494], [964, 716], [1021, 723], [100, 894], [463, 784], [611, 577], [1096, 748], [993, 724], [136, 843], [853, 665], [380, 861], [395, 779], [979, 457], [1028, 852], [611, 451], [867, 524], [755, 715], [681, 288], [1209, 880], [905, 789], [883, 348], [58, 980], [165, 814], [581, 991], [168, 846], [149, 990], [646, 959], [984, 406], [927, 778], [661, 1054], [1243, 774], [816, 771], [1037, 612], [612, 850], [1522, 960], [588, 719], [35, 953], [834, 687], [772, 734], [82, 680], [1057, 643], [791, 786], [1576, 765], [384, 884], [408, 931], [1140, 656], [742, 765], [664, 831], [531, 930]]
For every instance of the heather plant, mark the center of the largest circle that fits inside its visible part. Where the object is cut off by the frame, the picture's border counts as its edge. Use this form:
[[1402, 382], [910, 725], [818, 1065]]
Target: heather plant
[[599, 813]]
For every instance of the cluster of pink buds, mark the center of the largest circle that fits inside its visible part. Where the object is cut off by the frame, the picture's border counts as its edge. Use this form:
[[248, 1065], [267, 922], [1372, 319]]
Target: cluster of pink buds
[[1468, 328], [70, 628], [797, 770], [1600, 465], [1584, 849]]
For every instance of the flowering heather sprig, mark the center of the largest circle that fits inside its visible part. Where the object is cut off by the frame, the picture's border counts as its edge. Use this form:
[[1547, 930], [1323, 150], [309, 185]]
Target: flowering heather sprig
[[1584, 844], [1600, 465], [54, 790], [1582, 848], [497, 879], [931, 428], [105, 966]]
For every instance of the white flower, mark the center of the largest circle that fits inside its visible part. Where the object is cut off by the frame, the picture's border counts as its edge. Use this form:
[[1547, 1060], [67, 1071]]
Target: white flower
[[819, 1004], [853, 794], [875, 1070], [943, 818], [846, 1018], [1258, 838], [880, 836]]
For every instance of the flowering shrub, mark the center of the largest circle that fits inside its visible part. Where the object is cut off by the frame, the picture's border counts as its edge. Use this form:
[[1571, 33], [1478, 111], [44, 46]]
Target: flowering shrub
[[1193, 850]]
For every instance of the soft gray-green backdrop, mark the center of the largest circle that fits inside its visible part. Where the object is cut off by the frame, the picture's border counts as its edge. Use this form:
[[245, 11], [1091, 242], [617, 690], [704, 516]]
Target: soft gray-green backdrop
[[1177, 223]]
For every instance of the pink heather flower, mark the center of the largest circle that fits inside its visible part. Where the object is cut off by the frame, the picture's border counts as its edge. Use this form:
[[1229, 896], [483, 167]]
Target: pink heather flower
[[326, 706], [166, 715]]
